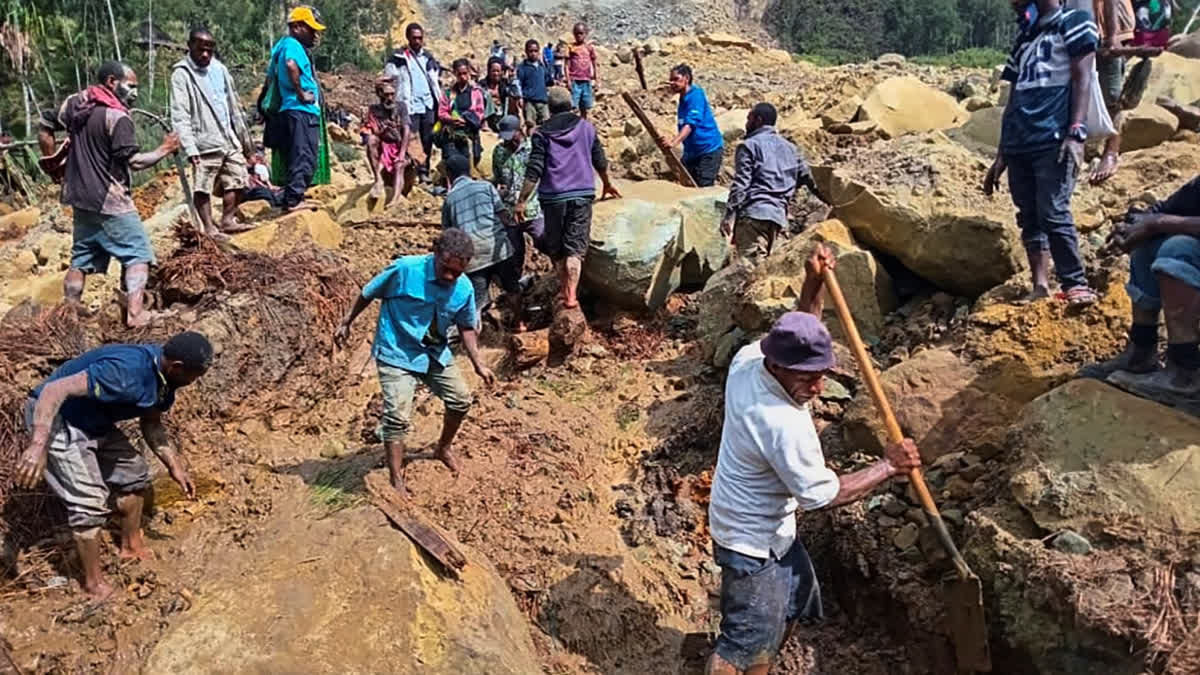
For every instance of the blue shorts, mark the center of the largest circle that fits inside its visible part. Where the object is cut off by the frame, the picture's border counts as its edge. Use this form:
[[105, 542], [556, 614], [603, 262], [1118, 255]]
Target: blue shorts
[[582, 96], [99, 238], [759, 598]]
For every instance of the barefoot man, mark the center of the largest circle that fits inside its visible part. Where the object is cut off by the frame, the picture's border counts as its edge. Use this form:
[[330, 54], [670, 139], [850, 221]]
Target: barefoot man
[[770, 463], [86, 458], [422, 296]]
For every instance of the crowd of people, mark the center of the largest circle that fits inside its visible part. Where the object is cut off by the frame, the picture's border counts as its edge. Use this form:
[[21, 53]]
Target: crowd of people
[[542, 191]]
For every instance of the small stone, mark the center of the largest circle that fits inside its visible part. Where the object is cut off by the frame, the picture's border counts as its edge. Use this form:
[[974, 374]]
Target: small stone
[[973, 472], [953, 516], [1071, 542], [333, 448], [948, 460], [835, 391], [907, 536], [931, 546], [916, 516], [888, 521], [893, 506], [958, 487]]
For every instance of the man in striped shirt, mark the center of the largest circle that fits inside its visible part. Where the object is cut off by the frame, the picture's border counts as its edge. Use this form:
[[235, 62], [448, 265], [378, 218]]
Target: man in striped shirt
[[1042, 136]]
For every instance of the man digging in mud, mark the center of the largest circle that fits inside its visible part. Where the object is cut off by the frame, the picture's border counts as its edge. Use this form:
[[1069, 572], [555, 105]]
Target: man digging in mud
[[421, 296], [101, 156], [84, 456], [770, 463], [1164, 276]]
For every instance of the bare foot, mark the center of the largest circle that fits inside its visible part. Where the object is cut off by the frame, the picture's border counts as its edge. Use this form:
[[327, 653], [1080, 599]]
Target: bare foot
[[135, 549], [146, 317], [448, 458], [398, 486], [1106, 169], [376, 190], [303, 206], [237, 227], [1038, 293], [217, 235], [396, 201], [99, 591]]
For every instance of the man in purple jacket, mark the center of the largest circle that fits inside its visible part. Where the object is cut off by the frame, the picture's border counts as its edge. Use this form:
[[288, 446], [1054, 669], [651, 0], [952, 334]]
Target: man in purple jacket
[[565, 150]]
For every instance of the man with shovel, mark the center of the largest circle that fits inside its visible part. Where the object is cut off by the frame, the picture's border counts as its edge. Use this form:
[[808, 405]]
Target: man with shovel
[[770, 463]]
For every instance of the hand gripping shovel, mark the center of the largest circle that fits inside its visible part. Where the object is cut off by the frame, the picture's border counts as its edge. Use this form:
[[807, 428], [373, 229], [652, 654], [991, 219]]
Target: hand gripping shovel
[[964, 599]]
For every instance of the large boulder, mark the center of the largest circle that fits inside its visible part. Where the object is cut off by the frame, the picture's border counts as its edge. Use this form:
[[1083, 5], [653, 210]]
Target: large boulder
[[981, 132], [1092, 454], [368, 601], [1173, 76], [15, 224], [732, 124], [659, 236], [1147, 126], [903, 105], [917, 198], [941, 402], [285, 233], [721, 39]]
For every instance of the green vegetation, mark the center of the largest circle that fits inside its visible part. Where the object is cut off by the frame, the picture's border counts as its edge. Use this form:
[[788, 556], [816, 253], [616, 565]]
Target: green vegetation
[[50, 48], [344, 151], [336, 489], [830, 32], [975, 57]]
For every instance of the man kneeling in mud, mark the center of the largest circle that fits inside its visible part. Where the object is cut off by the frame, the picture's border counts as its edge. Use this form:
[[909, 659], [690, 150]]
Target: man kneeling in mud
[[73, 416], [422, 296], [770, 463], [1164, 277]]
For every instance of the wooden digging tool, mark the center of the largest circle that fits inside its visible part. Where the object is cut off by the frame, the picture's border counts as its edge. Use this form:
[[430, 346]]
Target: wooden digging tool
[[428, 538], [637, 64], [681, 173], [181, 167], [964, 599]]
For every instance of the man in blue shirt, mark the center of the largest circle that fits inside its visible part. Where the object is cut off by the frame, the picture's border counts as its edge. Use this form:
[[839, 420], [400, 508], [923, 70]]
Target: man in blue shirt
[[422, 296], [1041, 139], [535, 78], [300, 107], [75, 442], [424, 92], [703, 145]]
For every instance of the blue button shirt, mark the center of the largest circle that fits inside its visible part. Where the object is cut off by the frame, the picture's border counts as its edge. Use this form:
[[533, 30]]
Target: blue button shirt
[[534, 77], [694, 111], [287, 48], [415, 313], [123, 382]]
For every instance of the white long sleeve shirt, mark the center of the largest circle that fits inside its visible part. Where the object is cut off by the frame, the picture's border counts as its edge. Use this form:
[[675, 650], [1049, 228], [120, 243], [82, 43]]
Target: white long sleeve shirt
[[770, 463]]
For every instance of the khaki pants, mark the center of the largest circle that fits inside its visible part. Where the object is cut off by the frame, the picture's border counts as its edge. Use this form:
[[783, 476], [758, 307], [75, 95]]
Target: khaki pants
[[753, 239], [400, 387]]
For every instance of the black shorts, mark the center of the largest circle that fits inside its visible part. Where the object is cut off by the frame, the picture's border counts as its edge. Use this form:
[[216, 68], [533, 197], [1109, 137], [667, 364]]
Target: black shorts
[[507, 274], [568, 228], [704, 168]]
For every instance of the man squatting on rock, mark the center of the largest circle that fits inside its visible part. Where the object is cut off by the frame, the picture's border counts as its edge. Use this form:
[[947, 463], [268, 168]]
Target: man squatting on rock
[[770, 463], [74, 440]]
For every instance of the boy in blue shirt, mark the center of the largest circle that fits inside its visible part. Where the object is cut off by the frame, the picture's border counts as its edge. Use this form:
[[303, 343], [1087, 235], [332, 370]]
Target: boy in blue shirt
[[300, 107], [72, 417], [1041, 139], [703, 146], [535, 78], [422, 296]]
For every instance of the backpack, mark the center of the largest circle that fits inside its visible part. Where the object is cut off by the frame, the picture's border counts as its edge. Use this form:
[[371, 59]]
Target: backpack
[[269, 101]]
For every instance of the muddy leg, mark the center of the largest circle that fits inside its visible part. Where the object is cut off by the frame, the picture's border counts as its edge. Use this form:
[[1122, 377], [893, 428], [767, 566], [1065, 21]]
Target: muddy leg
[[1039, 267], [136, 276], [719, 666], [73, 286], [229, 204], [572, 267], [393, 452], [87, 542], [203, 203], [132, 545], [450, 425]]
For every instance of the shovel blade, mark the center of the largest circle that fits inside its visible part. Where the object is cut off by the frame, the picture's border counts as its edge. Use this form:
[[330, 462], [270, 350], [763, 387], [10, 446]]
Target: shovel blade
[[968, 628]]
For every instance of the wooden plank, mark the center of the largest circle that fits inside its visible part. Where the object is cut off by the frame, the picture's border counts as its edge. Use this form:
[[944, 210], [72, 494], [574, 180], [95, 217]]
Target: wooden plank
[[421, 533], [641, 72], [681, 173]]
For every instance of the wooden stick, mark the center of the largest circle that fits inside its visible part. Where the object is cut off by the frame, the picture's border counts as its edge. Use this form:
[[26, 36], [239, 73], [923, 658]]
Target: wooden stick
[[681, 172], [641, 72], [422, 534]]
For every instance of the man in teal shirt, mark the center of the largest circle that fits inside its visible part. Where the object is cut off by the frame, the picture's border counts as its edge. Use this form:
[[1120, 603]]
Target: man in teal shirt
[[422, 296], [300, 108]]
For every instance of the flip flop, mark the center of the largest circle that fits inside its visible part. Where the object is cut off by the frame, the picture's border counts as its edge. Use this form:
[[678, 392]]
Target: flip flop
[[1079, 296]]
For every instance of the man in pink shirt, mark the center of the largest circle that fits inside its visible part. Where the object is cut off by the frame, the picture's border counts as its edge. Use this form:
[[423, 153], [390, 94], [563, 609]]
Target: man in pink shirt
[[583, 71]]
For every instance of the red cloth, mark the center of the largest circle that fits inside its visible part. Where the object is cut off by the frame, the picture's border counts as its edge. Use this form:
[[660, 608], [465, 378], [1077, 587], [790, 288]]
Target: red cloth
[[1151, 38]]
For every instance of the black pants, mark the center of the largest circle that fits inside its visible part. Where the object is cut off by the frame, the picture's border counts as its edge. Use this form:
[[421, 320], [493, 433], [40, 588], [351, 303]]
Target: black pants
[[303, 136], [422, 124], [704, 169]]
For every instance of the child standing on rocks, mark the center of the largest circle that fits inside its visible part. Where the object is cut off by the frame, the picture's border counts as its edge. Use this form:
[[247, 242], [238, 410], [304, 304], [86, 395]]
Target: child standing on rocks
[[583, 71]]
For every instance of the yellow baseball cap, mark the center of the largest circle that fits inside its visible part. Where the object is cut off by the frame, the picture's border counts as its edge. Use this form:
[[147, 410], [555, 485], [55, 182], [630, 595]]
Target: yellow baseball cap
[[305, 15]]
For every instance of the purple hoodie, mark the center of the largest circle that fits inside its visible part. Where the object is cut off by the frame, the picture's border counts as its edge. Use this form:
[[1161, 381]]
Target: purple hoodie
[[565, 150]]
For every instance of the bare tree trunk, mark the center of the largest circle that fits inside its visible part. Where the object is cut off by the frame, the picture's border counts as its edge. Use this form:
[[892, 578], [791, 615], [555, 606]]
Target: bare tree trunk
[[150, 37], [26, 98], [112, 22]]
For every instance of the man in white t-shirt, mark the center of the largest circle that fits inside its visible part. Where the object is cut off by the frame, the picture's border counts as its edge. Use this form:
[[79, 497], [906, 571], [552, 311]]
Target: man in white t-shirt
[[770, 464]]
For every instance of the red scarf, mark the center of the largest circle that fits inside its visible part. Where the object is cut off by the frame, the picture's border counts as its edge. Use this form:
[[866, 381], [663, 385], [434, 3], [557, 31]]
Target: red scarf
[[100, 95]]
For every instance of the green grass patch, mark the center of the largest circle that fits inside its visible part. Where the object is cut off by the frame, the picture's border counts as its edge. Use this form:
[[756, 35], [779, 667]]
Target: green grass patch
[[344, 151], [976, 57], [336, 489]]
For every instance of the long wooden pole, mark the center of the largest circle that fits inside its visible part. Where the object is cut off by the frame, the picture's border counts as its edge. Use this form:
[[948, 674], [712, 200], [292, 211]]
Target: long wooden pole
[[677, 167]]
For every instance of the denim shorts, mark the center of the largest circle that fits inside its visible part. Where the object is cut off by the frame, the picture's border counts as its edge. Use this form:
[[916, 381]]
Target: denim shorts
[[759, 598], [1176, 256], [582, 96], [99, 238]]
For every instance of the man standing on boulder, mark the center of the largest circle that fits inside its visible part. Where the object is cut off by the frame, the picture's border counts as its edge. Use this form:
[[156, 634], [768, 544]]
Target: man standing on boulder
[[300, 107], [72, 417], [1164, 277], [1041, 140], [207, 114], [703, 145], [565, 151], [767, 169], [101, 156], [770, 463], [422, 296]]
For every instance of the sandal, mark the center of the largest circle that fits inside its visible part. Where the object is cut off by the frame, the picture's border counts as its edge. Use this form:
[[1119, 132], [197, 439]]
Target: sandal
[[1079, 296]]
